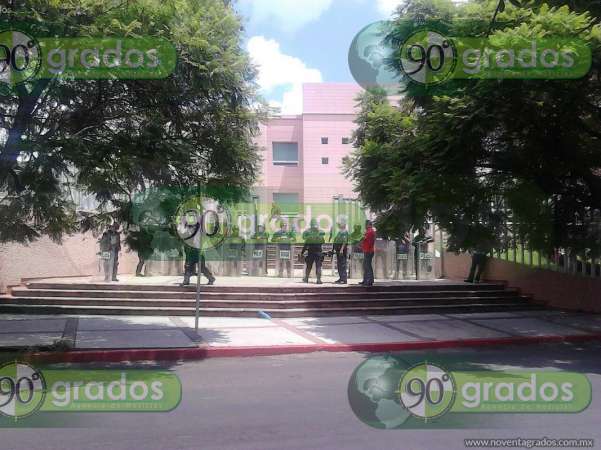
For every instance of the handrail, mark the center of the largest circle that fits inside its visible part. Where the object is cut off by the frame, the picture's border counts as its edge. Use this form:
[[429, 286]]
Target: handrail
[[563, 261]]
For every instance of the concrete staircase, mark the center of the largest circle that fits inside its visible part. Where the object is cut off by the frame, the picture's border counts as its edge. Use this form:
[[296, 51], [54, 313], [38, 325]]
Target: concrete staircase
[[248, 301]]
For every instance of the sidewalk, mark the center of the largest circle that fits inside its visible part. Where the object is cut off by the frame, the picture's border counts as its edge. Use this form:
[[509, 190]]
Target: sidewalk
[[134, 338]]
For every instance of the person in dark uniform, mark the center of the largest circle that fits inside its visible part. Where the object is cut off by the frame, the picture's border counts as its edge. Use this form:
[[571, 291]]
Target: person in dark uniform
[[258, 252], [314, 240], [191, 228], [110, 246], [402, 257], [234, 252], [356, 264], [284, 240], [479, 261], [192, 260], [341, 242]]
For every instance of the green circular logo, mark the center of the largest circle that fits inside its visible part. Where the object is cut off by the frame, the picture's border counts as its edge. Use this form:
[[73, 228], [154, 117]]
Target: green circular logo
[[202, 222], [369, 57], [428, 57], [22, 390], [372, 392], [20, 57], [427, 391]]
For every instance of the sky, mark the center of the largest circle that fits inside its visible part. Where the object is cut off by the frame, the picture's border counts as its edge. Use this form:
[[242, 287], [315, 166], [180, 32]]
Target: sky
[[298, 41]]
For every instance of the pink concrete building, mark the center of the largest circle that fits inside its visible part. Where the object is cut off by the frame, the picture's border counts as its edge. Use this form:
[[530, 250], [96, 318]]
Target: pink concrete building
[[303, 154]]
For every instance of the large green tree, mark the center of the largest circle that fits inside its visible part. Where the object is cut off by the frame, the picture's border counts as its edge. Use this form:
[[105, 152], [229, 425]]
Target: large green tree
[[489, 153], [113, 138]]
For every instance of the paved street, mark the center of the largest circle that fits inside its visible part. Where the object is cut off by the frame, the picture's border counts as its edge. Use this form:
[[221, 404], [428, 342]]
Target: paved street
[[300, 402]]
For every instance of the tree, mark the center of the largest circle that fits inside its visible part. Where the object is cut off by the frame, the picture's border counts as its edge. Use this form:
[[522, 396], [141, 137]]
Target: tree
[[113, 138], [489, 153]]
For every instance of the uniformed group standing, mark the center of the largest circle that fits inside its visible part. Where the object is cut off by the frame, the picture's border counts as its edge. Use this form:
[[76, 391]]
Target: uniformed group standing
[[236, 249]]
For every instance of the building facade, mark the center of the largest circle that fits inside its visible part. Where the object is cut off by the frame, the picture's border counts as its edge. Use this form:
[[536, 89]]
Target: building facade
[[302, 155]]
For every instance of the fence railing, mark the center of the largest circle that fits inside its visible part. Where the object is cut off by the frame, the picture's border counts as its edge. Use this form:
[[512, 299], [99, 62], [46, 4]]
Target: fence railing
[[562, 260]]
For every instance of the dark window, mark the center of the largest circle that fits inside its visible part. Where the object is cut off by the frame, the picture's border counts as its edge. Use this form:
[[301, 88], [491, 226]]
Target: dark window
[[325, 140], [325, 161], [346, 141], [285, 154]]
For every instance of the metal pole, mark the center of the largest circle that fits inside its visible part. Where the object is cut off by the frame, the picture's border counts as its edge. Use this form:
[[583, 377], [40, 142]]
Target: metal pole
[[197, 314], [201, 231], [443, 273], [416, 257]]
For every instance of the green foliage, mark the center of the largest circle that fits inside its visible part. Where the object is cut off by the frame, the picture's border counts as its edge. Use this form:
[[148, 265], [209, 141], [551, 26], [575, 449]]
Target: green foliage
[[492, 152], [113, 138]]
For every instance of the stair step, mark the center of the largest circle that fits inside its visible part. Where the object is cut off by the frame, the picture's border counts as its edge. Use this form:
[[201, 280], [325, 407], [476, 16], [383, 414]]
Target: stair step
[[293, 299], [265, 289], [325, 294]]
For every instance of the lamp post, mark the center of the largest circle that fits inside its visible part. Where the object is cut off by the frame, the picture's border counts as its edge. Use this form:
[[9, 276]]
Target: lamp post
[[201, 232]]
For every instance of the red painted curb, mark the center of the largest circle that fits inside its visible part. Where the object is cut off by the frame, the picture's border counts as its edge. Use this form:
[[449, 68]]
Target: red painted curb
[[200, 353]]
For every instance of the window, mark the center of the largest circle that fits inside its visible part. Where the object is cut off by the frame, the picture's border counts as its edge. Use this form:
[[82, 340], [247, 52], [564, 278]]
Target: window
[[288, 202], [325, 161], [285, 154], [346, 141], [325, 140]]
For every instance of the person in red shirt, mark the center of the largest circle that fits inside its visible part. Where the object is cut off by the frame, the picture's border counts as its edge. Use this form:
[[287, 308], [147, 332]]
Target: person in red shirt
[[368, 246]]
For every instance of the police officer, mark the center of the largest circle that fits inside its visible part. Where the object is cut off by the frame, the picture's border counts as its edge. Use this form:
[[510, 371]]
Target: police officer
[[234, 252], [402, 257], [258, 252], [314, 240], [110, 246], [480, 254], [190, 228], [284, 240], [356, 252], [341, 249]]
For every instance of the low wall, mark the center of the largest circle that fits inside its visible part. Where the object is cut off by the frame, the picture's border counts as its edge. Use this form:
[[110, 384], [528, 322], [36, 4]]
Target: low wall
[[557, 289], [75, 257]]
